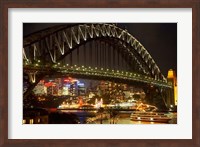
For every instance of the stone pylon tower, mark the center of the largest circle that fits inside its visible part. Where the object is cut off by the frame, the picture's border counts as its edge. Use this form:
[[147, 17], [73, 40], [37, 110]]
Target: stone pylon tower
[[171, 78]]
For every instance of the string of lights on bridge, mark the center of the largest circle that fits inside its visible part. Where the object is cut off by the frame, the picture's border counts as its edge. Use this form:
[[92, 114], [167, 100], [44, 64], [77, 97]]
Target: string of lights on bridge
[[64, 69]]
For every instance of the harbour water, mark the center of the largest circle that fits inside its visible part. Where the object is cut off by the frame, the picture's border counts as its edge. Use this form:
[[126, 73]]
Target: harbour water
[[91, 117]]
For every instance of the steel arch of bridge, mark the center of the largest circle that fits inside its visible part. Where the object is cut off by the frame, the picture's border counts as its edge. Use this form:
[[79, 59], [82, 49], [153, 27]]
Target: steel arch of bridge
[[59, 41]]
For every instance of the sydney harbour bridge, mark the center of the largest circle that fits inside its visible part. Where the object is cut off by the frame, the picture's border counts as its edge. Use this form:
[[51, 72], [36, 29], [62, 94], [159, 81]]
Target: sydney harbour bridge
[[92, 51]]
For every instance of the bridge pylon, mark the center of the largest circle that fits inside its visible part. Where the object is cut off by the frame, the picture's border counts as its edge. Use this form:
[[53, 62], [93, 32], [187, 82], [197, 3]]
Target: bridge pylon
[[171, 78]]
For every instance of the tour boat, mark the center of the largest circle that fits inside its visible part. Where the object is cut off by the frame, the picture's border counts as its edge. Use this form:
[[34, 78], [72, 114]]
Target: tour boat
[[150, 117]]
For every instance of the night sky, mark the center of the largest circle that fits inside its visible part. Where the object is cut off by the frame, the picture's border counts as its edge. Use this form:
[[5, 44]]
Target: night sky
[[160, 39]]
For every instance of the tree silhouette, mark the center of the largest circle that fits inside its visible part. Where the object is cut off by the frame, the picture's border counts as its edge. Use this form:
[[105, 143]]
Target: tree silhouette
[[100, 112], [113, 115]]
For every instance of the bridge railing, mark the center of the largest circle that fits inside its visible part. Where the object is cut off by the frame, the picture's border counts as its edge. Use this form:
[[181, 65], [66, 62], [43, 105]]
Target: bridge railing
[[95, 71]]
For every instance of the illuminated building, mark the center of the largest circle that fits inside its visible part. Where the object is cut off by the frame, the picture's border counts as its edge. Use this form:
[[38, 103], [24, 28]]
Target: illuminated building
[[65, 90], [58, 81], [70, 86], [91, 95], [171, 78], [73, 89], [109, 85], [60, 91], [40, 88], [127, 94], [104, 87], [57, 87], [101, 88], [81, 89], [51, 88]]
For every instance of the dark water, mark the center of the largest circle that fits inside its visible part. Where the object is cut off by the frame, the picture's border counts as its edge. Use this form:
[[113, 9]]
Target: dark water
[[123, 118]]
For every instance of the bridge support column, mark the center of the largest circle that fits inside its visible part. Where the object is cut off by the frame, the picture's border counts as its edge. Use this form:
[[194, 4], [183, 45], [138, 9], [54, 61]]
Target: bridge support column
[[32, 77], [170, 97], [156, 96]]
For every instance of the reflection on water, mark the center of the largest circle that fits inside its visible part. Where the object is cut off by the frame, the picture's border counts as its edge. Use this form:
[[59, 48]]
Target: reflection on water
[[128, 121], [123, 118]]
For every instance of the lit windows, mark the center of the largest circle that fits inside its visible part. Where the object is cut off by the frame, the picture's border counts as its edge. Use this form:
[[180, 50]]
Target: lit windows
[[31, 121], [24, 121]]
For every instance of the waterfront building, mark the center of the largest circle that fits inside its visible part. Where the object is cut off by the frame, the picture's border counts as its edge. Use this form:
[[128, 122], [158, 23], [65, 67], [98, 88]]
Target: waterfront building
[[40, 88], [81, 89]]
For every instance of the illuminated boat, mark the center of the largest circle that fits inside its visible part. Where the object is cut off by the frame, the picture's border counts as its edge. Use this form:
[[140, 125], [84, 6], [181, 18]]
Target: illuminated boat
[[150, 117]]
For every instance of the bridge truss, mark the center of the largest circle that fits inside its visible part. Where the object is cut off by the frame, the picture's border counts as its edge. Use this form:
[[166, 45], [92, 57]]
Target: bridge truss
[[102, 51]]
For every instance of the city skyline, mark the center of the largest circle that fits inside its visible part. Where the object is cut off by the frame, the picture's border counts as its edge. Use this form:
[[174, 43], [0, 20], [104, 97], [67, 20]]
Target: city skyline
[[68, 82]]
